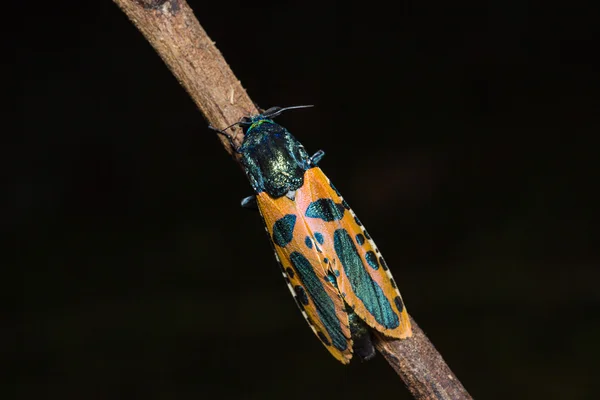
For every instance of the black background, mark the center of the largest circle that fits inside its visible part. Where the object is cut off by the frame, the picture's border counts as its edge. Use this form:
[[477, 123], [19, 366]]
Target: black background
[[462, 134]]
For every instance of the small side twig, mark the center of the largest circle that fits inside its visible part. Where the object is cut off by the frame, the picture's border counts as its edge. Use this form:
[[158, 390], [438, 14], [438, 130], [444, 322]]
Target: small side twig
[[172, 29]]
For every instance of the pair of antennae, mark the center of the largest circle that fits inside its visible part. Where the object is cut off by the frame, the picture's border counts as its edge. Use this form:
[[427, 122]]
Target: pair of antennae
[[270, 113]]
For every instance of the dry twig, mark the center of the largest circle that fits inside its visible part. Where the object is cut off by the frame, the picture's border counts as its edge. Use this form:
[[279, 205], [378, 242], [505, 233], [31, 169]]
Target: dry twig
[[172, 29]]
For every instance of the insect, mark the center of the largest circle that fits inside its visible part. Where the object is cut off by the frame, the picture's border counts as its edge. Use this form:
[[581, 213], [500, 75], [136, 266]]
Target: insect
[[332, 267]]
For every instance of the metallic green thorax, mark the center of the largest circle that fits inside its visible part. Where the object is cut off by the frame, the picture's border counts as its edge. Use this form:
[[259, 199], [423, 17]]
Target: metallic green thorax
[[273, 159]]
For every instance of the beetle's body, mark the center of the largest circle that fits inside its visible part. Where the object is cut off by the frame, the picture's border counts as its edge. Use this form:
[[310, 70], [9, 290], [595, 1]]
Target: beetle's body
[[332, 267]]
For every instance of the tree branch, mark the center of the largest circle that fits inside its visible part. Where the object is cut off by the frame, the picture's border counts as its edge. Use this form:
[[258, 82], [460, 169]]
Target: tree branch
[[172, 29], [421, 367]]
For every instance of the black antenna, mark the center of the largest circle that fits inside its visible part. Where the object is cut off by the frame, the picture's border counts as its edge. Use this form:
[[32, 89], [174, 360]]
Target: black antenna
[[270, 113], [228, 136], [275, 111], [222, 131]]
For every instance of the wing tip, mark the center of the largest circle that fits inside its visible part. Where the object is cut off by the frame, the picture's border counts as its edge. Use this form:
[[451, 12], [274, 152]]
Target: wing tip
[[342, 356], [405, 326], [403, 331]]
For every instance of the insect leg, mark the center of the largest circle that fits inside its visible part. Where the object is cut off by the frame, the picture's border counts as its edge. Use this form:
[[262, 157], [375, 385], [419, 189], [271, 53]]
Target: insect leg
[[316, 158], [250, 203]]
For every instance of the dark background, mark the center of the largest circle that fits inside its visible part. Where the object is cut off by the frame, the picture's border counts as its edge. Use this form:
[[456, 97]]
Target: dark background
[[462, 134]]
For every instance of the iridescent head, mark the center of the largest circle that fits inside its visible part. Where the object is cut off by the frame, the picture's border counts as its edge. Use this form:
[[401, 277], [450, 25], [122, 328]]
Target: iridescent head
[[273, 159]]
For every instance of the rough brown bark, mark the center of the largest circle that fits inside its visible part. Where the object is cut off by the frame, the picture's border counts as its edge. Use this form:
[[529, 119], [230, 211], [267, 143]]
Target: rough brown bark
[[421, 367], [172, 29]]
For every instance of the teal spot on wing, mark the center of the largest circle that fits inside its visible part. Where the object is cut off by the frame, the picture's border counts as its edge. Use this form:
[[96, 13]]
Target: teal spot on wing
[[331, 279], [365, 288], [372, 259], [319, 237], [325, 209], [308, 242], [323, 303], [283, 230], [383, 264]]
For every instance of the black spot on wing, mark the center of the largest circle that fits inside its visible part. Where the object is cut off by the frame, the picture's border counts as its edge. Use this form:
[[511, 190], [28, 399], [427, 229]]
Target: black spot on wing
[[325, 209], [399, 303], [323, 338], [360, 239], [290, 272], [383, 264], [283, 230], [301, 293]]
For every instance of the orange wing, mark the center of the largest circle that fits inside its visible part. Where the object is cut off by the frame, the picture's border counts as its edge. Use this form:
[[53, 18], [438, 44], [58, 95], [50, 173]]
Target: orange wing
[[362, 276], [306, 267]]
